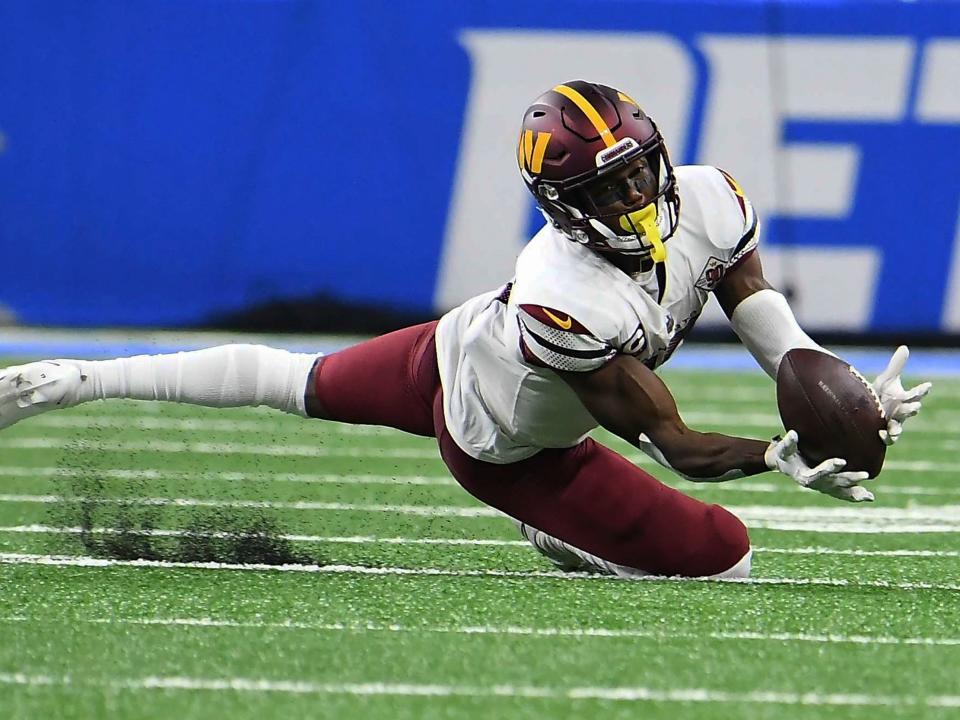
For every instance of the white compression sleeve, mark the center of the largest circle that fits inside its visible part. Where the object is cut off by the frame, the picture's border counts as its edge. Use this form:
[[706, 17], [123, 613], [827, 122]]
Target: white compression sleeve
[[224, 376], [765, 323]]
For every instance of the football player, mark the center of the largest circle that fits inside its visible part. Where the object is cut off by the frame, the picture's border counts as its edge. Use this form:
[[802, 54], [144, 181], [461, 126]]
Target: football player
[[511, 382]]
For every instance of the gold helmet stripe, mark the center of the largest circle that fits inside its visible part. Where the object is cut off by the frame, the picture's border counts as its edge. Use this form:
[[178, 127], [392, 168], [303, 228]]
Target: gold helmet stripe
[[590, 111]]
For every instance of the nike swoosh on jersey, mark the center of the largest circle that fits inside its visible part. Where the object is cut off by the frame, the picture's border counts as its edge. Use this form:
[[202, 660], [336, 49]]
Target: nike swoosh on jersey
[[562, 324]]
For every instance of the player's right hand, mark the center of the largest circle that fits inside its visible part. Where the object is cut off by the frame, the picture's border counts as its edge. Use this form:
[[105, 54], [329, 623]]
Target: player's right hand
[[898, 404], [28, 390], [827, 477]]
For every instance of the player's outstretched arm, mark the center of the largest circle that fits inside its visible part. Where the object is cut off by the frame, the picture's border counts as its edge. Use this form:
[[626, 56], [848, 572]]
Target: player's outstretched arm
[[224, 376], [631, 401], [765, 323]]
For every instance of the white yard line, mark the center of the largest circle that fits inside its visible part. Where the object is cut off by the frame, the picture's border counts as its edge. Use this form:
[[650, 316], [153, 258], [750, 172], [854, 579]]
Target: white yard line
[[750, 486], [859, 553], [921, 466], [929, 519], [117, 473], [478, 542], [333, 539], [950, 425], [312, 451], [266, 424], [694, 394], [919, 514], [207, 448], [854, 528], [90, 562], [535, 632], [769, 420], [424, 510], [724, 393], [624, 694]]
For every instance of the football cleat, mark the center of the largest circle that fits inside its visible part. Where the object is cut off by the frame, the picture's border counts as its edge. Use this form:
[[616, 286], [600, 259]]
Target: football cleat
[[34, 388], [556, 551]]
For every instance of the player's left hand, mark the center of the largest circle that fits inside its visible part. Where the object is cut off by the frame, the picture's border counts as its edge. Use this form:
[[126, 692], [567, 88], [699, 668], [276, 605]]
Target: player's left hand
[[783, 455], [898, 404]]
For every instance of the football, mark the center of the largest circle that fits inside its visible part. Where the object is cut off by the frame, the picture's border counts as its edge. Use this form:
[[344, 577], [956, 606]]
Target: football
[[833, 409]]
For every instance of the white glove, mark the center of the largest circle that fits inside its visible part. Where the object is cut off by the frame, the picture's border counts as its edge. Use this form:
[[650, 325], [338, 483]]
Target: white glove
[[898, 404], [783, 455]]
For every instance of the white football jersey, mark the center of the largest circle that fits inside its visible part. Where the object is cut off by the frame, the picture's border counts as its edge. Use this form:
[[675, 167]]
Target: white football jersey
[[569, 309]]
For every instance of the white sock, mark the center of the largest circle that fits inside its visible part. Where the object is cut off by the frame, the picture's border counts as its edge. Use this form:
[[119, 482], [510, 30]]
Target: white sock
[[224, 376]]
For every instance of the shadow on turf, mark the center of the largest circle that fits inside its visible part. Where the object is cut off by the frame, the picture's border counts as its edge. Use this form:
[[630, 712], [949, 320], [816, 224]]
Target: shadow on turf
[[209, 535]]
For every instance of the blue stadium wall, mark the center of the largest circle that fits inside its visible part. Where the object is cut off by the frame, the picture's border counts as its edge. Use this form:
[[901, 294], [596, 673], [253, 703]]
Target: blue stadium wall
[[163, 162]]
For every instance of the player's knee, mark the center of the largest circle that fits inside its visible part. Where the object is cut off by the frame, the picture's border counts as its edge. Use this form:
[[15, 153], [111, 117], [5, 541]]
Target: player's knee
[[740, 570], [315, 408], [716, 544], [730, 543]]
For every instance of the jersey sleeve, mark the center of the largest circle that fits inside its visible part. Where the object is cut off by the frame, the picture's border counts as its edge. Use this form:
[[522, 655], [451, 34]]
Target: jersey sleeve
[[747, 231], [551, 338]]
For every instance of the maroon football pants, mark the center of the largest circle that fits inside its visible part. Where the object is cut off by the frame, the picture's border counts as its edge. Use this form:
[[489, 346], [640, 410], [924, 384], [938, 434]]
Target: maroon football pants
[[588, 496]]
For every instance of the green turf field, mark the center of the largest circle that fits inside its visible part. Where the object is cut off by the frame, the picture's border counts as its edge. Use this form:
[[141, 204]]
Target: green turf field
[[423, 604]]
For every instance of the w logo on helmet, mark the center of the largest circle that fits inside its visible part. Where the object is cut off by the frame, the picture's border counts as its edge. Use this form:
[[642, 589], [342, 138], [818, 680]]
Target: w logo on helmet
[[531, 149]]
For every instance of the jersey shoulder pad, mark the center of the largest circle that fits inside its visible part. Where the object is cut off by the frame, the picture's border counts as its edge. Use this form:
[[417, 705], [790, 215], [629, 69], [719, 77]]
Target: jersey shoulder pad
[[751, 223], [722, 210], [552, 338]]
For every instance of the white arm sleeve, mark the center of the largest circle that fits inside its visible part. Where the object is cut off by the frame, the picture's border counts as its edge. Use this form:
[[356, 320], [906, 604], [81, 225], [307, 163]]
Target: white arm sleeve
[[765, 323], [224, 376]]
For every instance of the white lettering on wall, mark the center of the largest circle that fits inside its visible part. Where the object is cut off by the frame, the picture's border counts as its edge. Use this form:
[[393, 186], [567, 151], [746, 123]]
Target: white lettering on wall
[[833, 288], [938, 97], [938, 101], [758, 83], [951, 305], [756, 86]]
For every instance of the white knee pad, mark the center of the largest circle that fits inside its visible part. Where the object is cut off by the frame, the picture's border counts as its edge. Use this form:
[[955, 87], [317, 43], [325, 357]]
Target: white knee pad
[[740, 570]]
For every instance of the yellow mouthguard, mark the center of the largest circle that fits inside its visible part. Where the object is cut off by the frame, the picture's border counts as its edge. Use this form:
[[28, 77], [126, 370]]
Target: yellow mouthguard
[[646, 218]]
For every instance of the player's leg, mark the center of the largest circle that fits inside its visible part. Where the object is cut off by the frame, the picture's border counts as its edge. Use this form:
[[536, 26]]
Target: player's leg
[[224, 376], [390, 380], [572, 559], [589, 508]]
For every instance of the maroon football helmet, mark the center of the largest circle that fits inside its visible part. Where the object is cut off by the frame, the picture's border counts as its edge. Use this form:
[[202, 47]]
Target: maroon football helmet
[[573, 140]]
